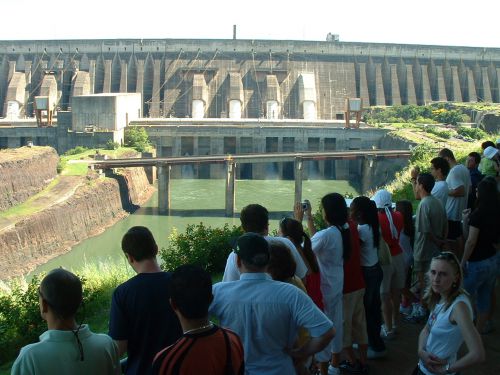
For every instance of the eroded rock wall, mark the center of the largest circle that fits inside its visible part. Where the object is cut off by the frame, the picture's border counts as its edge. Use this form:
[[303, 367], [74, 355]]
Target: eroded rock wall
[[42, 236], [24, 172]]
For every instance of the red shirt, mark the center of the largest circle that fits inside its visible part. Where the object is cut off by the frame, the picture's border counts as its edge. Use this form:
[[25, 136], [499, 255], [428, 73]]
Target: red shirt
[[397, 219], [353, 276]]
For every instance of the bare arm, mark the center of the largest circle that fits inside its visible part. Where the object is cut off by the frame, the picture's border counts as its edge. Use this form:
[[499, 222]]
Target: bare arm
[[122, 346], [313, 345], [299, 215], [470, 244], [462, 317], [458, 192]]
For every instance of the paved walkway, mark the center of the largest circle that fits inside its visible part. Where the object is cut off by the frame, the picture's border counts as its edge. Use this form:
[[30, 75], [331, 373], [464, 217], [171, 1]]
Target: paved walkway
[[402, 351]]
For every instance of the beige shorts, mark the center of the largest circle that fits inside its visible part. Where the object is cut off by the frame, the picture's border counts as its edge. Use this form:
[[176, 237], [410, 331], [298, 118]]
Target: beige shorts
[[354, 319], [394, 275]]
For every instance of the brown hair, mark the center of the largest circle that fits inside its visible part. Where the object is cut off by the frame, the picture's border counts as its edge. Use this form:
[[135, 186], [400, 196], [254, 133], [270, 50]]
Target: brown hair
[[293, 229], [281, 264]]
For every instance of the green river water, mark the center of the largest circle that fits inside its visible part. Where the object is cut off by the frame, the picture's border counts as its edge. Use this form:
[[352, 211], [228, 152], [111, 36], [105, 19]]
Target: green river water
[[194, 201]]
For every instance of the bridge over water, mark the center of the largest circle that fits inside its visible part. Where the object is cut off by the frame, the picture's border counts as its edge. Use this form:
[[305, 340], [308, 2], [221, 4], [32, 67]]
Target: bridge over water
[[164, 166]]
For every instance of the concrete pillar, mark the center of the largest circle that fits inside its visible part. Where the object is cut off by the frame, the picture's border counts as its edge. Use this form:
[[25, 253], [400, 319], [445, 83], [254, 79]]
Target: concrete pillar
[[164, 188], [410, 87], [396, 93], [298, 164], [106, 86], [230, 190], [379, 85], [441, 89], [363, 85], [486, 85], [154, 110], [139, 87], [426, 87], [92, 76], [457, 93], [123, 76], [367, 169], [471, 86]]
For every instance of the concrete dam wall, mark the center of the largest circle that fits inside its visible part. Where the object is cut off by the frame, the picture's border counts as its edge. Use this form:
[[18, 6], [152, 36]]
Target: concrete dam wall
[[94, 206], [244, 78], [25, 172]]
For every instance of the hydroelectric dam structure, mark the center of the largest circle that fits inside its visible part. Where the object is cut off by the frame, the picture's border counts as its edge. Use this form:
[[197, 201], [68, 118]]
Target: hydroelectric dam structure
[[199, 97], [272, 79]]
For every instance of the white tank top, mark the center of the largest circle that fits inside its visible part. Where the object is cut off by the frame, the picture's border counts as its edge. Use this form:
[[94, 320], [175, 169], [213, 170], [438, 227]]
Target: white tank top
[[444, 338]]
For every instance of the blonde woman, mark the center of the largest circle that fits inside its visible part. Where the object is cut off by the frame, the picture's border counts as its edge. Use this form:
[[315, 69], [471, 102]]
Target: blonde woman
[[450, 322]]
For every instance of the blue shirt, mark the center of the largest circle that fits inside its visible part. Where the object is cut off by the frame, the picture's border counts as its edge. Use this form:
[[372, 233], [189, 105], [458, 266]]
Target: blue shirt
[[266, 314]]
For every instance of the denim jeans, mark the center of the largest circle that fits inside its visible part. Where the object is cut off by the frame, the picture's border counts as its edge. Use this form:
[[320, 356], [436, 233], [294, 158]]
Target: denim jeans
[[373, 278], [479, 281]]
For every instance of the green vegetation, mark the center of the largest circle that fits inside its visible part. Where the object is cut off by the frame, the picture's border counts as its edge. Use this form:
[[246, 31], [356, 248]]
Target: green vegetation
[[202, 245], [442, 113], [20, 321], [136, 138]]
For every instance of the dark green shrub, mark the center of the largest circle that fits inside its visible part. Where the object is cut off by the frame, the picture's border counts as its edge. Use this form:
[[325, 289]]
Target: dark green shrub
[[20, 320], [474, 133], [76, 150], [208, 247], [136, 138], [110, 145], [446, 134]]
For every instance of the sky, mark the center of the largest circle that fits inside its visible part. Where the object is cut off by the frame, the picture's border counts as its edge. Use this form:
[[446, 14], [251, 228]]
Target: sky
[[434, 22]]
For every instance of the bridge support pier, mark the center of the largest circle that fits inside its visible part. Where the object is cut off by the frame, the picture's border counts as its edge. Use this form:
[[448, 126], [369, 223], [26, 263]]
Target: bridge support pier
[[230, 191], [367, 172], [164, 188], [298, 179]]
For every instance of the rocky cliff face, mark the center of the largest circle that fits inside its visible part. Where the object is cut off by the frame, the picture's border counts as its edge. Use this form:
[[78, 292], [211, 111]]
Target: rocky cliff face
[[24, 172], [92, 208]]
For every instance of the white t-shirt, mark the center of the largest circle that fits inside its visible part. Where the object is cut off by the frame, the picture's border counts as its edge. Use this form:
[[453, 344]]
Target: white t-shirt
[[327, 245], [231, 272], [440, 191], [458, 176], [369, 254]]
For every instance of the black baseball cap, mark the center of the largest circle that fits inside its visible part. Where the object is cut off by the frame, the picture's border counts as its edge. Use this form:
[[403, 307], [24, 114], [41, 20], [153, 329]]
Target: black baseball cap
[[253, 249]]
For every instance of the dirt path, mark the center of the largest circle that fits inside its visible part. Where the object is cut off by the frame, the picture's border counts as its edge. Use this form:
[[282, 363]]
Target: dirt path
[[64, 189]]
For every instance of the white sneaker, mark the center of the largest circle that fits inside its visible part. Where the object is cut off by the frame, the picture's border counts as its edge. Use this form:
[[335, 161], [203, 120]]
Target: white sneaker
[[385, 334], [333, 370]]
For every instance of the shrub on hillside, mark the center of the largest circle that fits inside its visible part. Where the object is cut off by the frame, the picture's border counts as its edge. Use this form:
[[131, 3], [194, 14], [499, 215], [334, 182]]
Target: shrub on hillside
[[136, 138], [199, 244], [474, 133], [76, 150]]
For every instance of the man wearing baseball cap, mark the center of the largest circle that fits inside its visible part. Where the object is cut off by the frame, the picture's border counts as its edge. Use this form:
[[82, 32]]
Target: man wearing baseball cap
[[267, 314]]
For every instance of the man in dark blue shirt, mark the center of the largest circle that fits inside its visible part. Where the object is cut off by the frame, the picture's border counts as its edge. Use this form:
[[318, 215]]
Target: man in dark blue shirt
[[473, 160], [142, 321]]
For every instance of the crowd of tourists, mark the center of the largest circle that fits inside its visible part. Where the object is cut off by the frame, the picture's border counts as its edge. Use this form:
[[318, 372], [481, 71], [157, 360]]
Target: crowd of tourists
[[319, 303]]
